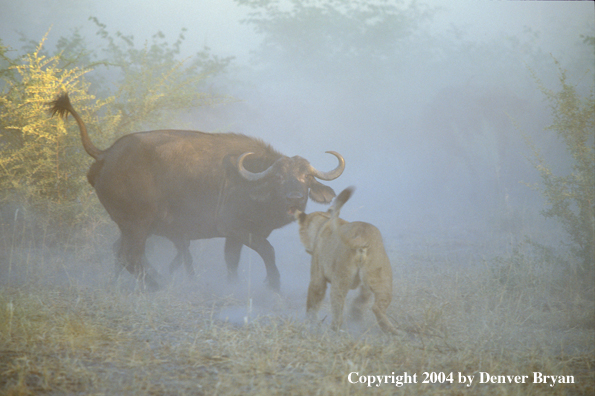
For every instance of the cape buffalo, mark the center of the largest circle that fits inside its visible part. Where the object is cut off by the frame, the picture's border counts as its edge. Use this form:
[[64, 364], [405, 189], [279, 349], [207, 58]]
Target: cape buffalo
[[187, 185]]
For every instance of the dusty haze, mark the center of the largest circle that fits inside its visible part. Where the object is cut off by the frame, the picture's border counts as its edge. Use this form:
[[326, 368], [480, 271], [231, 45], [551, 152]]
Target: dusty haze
[[432, 138]]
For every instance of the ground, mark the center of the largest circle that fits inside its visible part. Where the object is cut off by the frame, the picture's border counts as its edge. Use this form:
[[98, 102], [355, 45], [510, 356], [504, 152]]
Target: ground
[[466, 304]]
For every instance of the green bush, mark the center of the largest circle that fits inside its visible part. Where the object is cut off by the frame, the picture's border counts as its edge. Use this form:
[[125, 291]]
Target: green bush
[[42, 163], [571, 198], [153, 86]]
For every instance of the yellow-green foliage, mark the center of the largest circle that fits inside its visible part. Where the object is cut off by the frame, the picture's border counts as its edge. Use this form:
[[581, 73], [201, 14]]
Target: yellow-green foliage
[[571, 198], [154, 87], [42, 163]]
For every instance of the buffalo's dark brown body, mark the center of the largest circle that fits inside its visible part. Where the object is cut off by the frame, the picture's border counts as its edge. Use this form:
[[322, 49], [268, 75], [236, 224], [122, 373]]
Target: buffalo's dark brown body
[[187, 185]]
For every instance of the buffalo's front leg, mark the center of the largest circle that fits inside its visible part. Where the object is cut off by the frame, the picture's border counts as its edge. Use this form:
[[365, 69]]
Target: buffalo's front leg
[[260, 245], [266, 251], [232, 250]]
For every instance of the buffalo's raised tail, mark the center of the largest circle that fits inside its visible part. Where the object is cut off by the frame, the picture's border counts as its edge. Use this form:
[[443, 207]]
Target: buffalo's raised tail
[[62, 107]]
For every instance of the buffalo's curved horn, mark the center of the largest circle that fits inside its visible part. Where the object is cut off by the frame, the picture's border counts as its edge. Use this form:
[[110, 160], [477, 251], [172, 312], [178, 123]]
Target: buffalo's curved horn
[[332, 175], [250, 176]]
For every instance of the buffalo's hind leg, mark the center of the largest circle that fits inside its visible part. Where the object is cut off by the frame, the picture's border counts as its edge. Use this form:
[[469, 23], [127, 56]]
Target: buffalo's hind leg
[[120, 262], [132, 252]]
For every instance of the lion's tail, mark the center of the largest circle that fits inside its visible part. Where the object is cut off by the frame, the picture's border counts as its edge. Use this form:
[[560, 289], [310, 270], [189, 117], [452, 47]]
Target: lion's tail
[[343, 197], [360, 245], [335, 208]]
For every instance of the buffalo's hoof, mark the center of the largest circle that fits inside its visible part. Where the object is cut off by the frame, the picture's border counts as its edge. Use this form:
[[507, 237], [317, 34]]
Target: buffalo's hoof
[[149, 284], [274, 284], [232, 277]]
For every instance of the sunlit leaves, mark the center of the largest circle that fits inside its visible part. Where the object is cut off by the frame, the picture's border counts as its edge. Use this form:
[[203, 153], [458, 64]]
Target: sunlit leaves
[[42, 162]]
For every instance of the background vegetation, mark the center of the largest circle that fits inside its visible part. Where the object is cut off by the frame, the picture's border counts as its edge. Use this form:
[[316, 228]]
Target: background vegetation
[[571, 198], [43, 167], [509, 295]]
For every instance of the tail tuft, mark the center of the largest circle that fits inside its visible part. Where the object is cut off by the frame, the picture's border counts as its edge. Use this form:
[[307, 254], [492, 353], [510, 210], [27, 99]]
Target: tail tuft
[[343, 197], [335, 208], [60, 106]]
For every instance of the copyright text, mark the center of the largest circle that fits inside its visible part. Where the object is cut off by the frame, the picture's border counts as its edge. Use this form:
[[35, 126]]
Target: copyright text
[[480, 377]]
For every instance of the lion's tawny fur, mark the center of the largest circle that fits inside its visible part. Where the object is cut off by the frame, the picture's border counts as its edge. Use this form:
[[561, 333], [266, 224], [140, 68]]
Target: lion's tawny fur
[[346, 255]]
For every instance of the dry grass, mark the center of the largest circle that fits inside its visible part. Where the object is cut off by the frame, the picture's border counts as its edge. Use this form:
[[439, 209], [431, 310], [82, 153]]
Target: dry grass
[[64, 329]]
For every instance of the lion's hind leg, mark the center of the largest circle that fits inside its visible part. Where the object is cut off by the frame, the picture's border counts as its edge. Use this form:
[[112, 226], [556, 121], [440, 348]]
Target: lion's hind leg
[[338, 294], [316, 293], [382, 300], [360, 303]]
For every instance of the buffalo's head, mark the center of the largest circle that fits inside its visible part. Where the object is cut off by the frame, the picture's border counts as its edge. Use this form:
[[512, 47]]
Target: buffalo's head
[[289, 182]]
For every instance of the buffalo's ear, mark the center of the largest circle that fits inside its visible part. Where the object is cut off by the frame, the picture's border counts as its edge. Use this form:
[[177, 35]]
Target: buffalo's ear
[[321, 193], [261, 192], [299, 216]]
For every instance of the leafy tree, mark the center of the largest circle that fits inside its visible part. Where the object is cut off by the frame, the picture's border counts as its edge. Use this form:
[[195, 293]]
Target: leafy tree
[[42, 163], [153, 86], [571, 198], [336, 35]]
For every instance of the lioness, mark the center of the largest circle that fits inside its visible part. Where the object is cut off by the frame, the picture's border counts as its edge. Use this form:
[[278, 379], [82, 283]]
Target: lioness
[[347, 255]]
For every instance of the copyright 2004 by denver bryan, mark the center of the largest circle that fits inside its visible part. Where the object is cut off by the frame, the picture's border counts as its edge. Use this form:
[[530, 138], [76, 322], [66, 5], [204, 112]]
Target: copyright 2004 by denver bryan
[[481, 377]]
